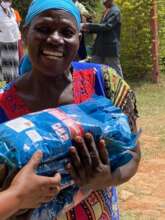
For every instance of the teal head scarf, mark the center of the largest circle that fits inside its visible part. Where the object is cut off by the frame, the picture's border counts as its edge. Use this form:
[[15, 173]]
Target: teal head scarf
[[39, 6]]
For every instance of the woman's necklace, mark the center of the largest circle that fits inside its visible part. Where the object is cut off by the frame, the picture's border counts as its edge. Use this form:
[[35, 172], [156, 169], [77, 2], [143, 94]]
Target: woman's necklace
[[8, 12]]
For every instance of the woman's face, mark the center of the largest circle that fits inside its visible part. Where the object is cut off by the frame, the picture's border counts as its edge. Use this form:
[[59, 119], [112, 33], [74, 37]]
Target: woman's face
[[53, 40]]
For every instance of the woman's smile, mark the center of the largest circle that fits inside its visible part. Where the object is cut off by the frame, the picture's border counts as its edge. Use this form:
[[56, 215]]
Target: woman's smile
[[53, 55]]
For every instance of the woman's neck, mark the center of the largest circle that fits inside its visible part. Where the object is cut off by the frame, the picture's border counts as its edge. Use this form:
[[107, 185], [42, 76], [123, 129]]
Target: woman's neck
[[49, 82], [40, 91]]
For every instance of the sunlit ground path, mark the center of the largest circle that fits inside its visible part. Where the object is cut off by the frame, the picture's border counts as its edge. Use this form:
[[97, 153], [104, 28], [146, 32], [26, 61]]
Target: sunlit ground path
[[143, 197]]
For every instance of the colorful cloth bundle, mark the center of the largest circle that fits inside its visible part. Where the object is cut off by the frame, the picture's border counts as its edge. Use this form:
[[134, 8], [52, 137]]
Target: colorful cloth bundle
[[52, 130]]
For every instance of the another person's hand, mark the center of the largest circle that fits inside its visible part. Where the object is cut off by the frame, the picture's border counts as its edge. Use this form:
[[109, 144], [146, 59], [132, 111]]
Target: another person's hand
[[84, 27], [89, 165], [30, 189]]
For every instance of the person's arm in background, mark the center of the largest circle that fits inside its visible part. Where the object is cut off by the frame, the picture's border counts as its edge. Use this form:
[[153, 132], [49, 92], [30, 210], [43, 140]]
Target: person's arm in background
[[18, 17], [111, 21], [28, 190]]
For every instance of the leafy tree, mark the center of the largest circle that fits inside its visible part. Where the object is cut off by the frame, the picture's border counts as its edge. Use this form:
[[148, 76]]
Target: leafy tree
[[21, 6], [136, 37], [161, 13]]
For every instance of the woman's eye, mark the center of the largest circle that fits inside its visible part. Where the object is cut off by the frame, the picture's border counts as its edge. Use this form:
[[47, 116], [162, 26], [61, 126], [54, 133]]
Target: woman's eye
[[43, 30], [68, 33]]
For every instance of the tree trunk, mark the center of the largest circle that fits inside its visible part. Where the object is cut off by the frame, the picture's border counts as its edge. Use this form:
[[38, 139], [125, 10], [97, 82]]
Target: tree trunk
[[155, 43]]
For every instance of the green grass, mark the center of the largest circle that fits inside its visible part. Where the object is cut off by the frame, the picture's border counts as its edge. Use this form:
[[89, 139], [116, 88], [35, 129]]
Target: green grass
[[150, 97], [151, 105]]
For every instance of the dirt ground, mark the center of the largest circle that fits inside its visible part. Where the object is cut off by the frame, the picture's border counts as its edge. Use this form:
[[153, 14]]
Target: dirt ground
[[143, 197]]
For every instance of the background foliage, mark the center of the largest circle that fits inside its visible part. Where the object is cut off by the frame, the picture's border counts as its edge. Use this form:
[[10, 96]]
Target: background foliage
[[21, 6], [161, 16], [136, 34], [136, 37]]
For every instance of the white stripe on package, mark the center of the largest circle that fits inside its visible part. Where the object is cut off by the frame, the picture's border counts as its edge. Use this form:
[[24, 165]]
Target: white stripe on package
[[20, 124], [34, 136]]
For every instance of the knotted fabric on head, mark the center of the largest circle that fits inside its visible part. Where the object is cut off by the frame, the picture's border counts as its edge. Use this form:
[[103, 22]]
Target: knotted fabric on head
[[39, 6]]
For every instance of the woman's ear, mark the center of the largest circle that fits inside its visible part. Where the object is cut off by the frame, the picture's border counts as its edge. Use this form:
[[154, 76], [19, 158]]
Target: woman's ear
[[80, 37]]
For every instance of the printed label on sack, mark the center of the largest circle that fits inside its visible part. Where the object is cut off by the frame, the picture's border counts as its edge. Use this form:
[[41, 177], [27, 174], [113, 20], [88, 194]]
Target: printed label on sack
[[19, 124], [74, 128], [34, 135], [60, 131]]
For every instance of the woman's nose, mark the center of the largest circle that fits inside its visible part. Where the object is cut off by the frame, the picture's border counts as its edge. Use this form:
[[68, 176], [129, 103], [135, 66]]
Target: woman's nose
[[55, 38]]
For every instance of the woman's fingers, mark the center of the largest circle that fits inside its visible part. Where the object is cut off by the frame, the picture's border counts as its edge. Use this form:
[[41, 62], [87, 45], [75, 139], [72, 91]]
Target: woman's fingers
[[92, 149], [71, 170], [49, 189], [35, 160], [87, 159], [76, 163], [56, 179], [52, 191], [83, 152], [51, 183], [103, 152]]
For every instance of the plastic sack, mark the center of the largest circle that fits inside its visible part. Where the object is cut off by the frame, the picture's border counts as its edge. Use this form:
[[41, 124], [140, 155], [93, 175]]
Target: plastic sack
[[52, 130]]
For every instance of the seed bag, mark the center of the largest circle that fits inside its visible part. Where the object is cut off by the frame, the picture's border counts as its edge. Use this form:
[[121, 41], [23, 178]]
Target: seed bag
[[52, 131]]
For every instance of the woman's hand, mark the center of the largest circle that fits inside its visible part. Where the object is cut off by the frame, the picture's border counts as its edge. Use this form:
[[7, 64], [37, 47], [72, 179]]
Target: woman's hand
[[84, 27], [31, 189], [89, 165]]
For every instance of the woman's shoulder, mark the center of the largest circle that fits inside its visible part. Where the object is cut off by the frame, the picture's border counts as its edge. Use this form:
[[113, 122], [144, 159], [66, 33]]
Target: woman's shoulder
[[116, 87], [121, 94]]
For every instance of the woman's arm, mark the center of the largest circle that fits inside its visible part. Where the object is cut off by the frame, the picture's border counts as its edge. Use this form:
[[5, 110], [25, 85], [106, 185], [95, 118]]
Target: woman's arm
[[125, 172], [106, 26], [28, 190]]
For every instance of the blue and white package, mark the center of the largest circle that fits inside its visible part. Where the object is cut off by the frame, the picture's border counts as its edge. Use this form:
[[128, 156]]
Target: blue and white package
[[52, 131]]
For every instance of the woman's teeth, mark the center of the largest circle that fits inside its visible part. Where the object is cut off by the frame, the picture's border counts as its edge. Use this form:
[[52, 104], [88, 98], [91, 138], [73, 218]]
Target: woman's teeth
[[52, 54]]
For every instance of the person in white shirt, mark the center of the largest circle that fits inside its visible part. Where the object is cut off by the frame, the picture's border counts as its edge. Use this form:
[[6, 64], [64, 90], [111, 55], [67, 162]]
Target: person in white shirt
[[9, 36]]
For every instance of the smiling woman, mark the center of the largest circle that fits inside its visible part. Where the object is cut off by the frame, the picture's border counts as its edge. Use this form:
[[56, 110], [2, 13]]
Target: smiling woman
[[52, 35]]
